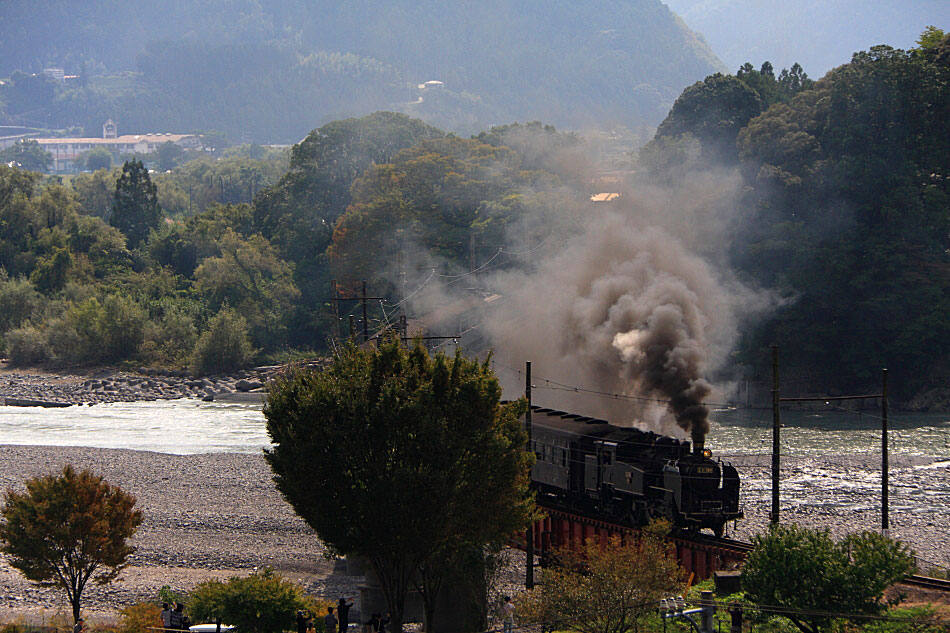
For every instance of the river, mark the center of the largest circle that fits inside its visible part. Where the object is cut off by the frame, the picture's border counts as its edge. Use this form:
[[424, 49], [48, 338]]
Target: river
[[189, 426]]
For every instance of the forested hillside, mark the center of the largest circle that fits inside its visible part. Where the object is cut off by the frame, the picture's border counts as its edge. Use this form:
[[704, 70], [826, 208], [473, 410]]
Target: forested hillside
[[115, 266], [848, 198], [272, 70]]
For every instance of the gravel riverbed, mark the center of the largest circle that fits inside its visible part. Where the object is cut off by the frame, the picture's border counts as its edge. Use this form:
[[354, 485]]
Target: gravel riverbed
[[206, 516], [217, 515]]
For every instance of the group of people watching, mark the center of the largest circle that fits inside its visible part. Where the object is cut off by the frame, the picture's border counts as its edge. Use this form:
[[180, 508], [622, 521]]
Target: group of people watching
[[173, 617], [333, 622], [376, 623]]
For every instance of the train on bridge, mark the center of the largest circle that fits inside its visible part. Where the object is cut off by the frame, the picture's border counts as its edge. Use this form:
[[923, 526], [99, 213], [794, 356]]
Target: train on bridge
[[587, 466]]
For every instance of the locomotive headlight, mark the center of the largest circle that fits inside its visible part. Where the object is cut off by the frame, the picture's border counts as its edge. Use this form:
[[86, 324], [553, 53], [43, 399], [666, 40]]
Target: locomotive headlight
[[707, 453]]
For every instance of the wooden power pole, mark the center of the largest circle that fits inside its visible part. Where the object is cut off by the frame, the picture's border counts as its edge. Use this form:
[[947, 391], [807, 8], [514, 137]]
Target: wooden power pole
[[529, 544], [776, 425], [884, 466]]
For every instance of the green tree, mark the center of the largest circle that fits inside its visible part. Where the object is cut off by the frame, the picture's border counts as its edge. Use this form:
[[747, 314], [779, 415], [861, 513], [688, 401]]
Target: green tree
[[29, 155], [19, 300], [51, 273], [806, 574], [298, 213], [434, 463], [712, 112], [69, 529], [135, 209], [931, 38], [169, 154], [850, 215], [604, 587], [96, 192], [225, 345], [249, 276], [436, 194], [263, 602], [96, 159]]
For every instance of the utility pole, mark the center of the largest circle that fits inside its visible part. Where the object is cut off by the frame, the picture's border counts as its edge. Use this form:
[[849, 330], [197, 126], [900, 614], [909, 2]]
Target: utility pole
[[471, 257], [365, 315], [884, 466], [529, 545], [334, 293], [776, 425], [402, 283], [351, 295]]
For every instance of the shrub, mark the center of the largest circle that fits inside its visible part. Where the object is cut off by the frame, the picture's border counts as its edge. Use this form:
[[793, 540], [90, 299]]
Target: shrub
[[623, 579], [110, 330], [799, 569], [916, 619], [140, 618], [63, 342], [19, 301], [225, 345], [170, 339], [122, 327], [263, 602], [26, 346]]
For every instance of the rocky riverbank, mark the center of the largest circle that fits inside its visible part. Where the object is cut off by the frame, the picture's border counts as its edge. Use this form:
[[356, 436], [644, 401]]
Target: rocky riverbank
[[103, 385]]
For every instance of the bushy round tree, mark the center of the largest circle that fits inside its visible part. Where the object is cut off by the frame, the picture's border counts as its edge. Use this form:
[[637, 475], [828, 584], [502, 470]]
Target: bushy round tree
[[400, 457], [809, 576], [69, 529], [225, 345]]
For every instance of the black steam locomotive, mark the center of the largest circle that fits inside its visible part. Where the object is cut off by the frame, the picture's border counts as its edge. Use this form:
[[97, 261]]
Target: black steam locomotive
[[627, 475]]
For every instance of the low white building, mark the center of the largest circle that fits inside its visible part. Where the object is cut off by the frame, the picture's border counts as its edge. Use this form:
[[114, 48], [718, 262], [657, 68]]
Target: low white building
[[66, 150]]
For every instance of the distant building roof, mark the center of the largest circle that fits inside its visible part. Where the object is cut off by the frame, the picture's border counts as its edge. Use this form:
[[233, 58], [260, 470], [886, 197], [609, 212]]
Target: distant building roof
[[125, 138], [604, 197]]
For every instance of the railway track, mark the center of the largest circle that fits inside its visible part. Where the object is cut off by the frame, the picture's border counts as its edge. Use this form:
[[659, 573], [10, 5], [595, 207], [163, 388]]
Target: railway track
[[936, 584]]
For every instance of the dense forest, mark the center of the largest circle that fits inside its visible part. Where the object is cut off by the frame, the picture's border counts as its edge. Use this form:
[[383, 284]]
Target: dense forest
[[271, 70], [844, 218], [847, 202]]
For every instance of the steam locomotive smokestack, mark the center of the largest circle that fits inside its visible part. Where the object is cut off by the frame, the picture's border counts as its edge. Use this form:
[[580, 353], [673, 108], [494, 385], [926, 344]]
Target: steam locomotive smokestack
[[699, 443]]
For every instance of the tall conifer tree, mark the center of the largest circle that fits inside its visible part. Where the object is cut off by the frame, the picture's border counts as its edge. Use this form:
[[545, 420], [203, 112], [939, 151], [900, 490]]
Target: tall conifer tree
[[135, 209]]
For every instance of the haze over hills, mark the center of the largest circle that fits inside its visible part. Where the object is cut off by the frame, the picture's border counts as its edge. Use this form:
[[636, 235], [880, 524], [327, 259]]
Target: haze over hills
[[275, 69], [817, 34]]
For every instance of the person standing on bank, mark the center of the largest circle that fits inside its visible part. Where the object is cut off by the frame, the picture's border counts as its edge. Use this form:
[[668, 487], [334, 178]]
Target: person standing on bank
[[343, 613], [303, 622], [79, 626], [329, 621], [735, 610], [508, 615], [166, 616]]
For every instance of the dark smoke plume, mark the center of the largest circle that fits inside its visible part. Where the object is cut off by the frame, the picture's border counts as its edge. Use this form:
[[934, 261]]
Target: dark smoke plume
[[625, 309]]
